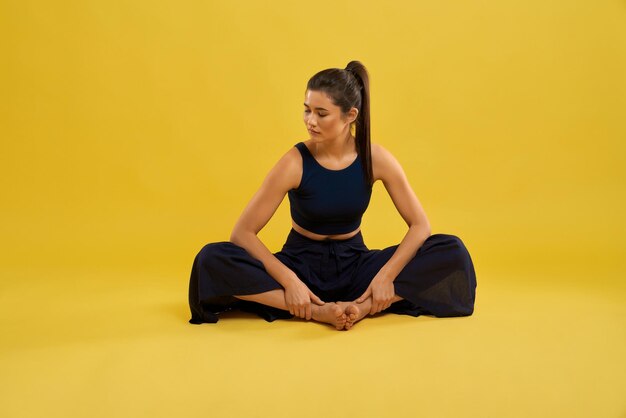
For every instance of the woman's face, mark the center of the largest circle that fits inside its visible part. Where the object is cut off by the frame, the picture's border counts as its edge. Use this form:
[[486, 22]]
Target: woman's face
[[322, 118]]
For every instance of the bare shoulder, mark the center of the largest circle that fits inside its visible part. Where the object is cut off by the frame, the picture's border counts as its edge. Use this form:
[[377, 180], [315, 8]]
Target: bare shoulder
[[384, 164], [289, 167], [380, 152]]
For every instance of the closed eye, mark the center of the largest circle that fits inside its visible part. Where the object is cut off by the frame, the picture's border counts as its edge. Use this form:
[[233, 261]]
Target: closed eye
[[307, 111]]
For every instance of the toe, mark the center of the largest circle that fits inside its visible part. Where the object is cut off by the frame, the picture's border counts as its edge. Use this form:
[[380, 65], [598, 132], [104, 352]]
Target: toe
[[353, 313]]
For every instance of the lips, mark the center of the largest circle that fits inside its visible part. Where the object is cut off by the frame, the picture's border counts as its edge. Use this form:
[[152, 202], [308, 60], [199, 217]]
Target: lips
[[313, 132]]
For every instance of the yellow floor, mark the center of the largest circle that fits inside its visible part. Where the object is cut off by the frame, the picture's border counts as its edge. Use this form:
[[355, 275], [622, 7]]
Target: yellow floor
[[100, 349]]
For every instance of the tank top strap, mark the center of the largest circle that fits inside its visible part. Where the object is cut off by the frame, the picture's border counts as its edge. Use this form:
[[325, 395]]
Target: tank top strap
[[303, 149], [307, 157], [309, 168]]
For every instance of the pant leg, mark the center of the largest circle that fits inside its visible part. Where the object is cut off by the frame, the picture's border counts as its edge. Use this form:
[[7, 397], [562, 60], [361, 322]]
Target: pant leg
[[223, 269], [440, 279]]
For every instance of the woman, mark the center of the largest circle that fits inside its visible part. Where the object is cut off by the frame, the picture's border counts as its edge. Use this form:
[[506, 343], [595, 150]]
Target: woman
[[329, 179]]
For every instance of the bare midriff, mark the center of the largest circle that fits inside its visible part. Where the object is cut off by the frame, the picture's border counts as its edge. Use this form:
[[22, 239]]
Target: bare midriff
[[319, 237]]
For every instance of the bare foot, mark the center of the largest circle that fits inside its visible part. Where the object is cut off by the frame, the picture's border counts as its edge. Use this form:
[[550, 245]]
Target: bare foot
[[355, 311], [331, 313]]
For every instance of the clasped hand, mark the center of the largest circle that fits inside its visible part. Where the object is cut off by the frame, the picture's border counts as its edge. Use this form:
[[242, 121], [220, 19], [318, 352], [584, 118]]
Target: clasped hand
[[298, 298], [382, 291]]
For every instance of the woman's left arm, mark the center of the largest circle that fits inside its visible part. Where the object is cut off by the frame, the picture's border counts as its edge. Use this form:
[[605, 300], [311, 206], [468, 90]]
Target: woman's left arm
[[397, 185]]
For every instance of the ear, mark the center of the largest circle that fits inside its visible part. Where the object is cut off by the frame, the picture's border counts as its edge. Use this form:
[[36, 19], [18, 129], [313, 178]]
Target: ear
[[353, 114]]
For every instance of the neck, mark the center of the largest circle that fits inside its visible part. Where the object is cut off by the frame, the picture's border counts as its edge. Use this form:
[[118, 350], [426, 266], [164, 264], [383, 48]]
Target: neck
[[336, 148]]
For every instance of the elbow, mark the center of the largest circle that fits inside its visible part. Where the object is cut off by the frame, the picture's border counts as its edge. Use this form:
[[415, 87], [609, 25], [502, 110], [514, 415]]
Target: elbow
[[425, 224], [237, 234], [234, 236], [424, 227]]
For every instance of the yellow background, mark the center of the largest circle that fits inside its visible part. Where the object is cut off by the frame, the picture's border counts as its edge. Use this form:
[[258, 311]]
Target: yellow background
[[134, 132]]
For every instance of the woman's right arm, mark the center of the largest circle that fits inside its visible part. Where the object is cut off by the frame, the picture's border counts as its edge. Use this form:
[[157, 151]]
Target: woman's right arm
[[285, 175]]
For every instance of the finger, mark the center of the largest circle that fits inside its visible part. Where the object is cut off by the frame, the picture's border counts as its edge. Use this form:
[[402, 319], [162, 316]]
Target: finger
[[308, 311], [364, 295], [316, 299], [374, 309]]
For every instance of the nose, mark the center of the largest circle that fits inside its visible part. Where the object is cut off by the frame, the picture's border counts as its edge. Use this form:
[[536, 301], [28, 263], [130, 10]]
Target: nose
[[310, 122]]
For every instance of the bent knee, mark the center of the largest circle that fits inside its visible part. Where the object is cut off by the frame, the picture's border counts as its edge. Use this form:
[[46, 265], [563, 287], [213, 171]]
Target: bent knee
[[213, 250], [460, 255]]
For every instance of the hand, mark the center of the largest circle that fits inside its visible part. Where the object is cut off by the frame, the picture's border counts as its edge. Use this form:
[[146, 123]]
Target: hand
[[382, 291], [298, 298]]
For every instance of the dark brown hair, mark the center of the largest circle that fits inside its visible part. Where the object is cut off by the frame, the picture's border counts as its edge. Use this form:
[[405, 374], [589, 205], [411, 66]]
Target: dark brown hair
[[348, 88]]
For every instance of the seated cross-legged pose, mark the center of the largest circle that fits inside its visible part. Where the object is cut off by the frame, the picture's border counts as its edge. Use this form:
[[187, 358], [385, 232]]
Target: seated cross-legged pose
[[324, 270]]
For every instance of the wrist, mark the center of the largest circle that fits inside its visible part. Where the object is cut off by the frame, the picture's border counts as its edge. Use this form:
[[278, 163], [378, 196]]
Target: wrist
[[386, 276], [290, 281]]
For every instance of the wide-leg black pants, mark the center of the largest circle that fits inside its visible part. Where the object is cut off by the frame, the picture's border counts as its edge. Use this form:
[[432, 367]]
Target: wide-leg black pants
[[439, 280]]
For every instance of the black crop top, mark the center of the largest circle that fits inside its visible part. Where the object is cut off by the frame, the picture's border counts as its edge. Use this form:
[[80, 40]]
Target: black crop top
[[329, 201]]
